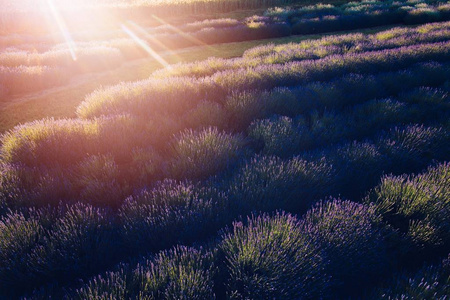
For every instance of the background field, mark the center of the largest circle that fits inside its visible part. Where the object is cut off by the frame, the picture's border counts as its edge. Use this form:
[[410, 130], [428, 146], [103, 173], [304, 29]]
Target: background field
[[239, 150]]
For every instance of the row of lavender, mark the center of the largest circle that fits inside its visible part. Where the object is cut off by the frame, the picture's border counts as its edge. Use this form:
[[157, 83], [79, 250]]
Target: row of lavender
[[353, 15], [196, 152], [312, 49], [24, 72]]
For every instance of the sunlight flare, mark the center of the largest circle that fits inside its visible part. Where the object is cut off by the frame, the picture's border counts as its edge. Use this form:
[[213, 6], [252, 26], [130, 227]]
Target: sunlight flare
[[184, 34], [145, 34], [63, 28], [145, 46]]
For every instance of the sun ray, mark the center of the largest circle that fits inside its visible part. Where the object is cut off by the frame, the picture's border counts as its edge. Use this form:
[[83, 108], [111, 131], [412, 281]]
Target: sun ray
[[63, 28], [184, 34], [145, 46], [144, 33]]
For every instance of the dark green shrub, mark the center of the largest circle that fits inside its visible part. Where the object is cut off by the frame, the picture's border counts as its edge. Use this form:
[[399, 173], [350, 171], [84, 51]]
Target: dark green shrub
[[346, 91], [154, 132], [243, 108], [318, 25], [395, 82], [11, 187], [284, 137], [283, 101], [119, 135], [428, 96], [252, 28], [48, 291], [430, 74], [444, 10]]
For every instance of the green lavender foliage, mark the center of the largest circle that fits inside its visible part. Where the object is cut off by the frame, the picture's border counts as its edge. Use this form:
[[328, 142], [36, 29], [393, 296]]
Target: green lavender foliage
[[19, 236], [178, 273], [412, 147], [267, 183], [353, 239], [418, 206], [200, 154], [173, 212], [430, 282], [263, 257]]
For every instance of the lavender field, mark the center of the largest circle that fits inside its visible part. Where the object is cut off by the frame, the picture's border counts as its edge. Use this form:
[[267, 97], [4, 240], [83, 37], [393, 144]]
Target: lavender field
[[317, 169], [30, 54]]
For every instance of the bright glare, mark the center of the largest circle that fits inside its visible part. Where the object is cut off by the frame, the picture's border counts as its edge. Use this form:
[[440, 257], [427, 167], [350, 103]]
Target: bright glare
[[64, 14], [71, 4], [183, 34], [63, 28], [148, 36], [145, 46]]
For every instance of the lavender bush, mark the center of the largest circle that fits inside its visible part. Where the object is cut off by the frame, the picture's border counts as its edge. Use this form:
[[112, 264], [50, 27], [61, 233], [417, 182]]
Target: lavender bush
[[418, 206], [351, 235], [263, 256]]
